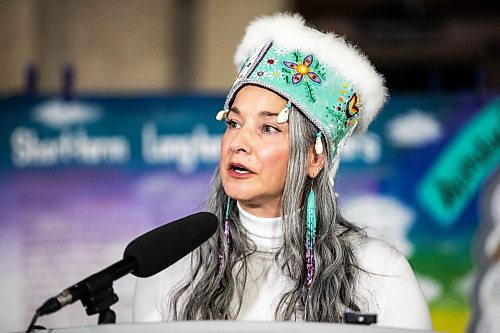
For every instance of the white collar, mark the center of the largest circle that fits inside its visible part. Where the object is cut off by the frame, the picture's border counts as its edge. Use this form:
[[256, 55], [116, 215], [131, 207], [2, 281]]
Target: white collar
[[265, 232]]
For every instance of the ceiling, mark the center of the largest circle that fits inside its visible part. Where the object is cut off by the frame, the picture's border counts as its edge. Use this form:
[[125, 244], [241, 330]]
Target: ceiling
[[417, 44]]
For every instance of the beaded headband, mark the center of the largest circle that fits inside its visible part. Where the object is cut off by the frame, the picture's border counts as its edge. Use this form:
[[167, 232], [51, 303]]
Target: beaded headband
[[328, 80]]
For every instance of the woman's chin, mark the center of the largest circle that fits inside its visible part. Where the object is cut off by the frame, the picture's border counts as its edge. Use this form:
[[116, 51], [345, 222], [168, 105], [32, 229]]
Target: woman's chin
[[240, 193]]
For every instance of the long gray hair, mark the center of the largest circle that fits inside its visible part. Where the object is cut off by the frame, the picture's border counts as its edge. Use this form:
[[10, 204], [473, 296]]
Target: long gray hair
[[216, 292]]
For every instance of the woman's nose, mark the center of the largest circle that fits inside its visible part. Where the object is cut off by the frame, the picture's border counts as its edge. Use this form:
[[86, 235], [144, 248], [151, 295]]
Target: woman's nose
[[242, 141]]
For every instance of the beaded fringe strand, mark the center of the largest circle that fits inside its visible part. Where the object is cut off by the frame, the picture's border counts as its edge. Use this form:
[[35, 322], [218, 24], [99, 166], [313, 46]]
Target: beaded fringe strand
[[310, 238], [226, 235]]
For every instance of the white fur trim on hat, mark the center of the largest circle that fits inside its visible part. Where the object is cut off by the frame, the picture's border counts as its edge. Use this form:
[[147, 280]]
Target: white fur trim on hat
[[290, 32]]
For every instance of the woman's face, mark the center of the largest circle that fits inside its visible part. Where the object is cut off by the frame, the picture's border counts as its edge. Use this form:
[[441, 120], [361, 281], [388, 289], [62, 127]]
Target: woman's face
[[255, 151]]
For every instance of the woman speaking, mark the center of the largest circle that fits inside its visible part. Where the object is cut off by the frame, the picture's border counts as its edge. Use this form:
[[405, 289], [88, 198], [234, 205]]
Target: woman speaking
[[283, 251]]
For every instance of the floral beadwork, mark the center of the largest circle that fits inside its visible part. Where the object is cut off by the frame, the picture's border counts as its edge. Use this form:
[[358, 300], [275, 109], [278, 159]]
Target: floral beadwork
[[352, 107], [275, 75], [270, 62], [302, 69], [327, 98], [344, 117], [338, 120], [260, 74], [281, 51]]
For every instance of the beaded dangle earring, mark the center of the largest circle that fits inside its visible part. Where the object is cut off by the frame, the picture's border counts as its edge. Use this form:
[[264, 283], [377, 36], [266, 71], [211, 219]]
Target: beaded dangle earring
[[221, 114], [226, 234], [310, 237], [311, 222], [283, 115], [318, 146]]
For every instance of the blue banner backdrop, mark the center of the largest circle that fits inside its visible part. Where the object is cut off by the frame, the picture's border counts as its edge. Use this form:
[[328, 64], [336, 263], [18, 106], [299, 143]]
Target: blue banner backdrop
[[80, 179]]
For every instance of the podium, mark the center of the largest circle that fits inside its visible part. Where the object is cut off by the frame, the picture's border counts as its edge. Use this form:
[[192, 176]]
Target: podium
[[229, 327]]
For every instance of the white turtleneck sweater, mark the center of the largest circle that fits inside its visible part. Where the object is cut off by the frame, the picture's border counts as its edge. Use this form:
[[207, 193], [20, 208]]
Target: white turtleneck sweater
[[390, 288]]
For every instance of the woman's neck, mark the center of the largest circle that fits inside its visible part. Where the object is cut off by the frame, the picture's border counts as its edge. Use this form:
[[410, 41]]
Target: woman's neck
[[261, 210], [265, 232]]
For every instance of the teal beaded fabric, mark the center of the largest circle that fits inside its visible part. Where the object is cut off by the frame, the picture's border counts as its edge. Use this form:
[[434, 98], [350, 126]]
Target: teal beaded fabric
[[321, 93]]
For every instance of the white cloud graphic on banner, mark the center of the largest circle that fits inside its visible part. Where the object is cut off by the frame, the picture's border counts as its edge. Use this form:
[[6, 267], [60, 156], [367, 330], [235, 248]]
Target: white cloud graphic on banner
[[465, 284], [413, 129], [383, 217], [431, 288], [58, 114]]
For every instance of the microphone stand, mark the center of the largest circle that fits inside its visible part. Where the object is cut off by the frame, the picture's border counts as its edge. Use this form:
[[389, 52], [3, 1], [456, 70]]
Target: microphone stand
[[95, 292], [99, 303], [99, 299], [99, 295]]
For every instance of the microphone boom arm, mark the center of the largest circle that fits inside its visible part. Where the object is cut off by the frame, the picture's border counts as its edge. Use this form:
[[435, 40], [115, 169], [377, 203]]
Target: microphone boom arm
[[144, 256], [95, 292]]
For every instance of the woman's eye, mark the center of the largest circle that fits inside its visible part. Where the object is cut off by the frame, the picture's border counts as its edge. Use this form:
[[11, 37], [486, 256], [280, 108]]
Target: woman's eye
[[231, 123], [270, 129]]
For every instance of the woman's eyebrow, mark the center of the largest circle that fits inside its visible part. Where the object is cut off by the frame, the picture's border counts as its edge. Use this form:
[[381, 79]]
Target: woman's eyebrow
[[268, 114], [261, 113]]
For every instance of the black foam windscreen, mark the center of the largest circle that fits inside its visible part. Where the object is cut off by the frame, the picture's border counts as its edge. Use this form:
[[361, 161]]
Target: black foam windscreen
[[163, 246]]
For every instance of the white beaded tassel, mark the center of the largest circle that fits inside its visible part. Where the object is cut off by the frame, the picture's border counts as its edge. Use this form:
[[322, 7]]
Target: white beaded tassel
[[318, 146], [283, 115], [221, 114]]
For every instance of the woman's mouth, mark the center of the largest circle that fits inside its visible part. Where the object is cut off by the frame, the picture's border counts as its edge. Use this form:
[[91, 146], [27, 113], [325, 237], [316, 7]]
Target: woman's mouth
[[239, 170]]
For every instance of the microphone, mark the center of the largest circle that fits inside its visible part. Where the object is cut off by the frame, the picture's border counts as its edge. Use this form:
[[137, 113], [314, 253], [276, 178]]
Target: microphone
[[143, 257]]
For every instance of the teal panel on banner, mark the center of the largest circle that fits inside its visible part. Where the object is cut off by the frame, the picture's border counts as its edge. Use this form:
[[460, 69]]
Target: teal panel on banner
[[455, 177], [177, 132]]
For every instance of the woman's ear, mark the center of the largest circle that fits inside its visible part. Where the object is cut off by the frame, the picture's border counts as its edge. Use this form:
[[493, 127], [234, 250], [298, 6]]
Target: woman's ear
[[315, 162]]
